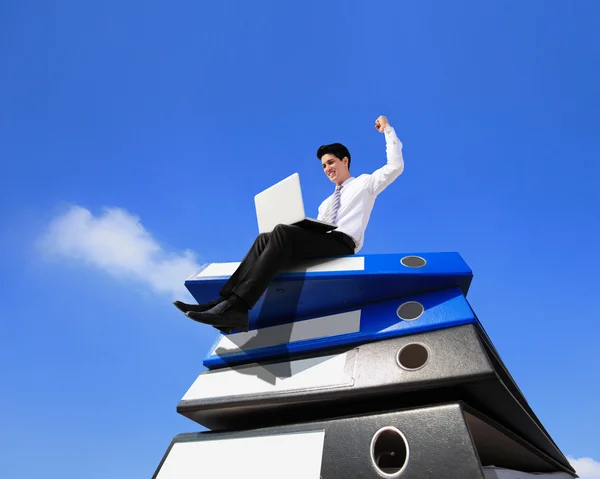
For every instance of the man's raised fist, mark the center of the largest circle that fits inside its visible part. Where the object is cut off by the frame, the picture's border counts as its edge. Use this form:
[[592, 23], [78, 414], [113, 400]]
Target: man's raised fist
[[381, 123]]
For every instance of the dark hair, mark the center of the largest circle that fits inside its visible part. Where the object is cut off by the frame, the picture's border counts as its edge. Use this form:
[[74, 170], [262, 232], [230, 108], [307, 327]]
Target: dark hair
[[336, 149]]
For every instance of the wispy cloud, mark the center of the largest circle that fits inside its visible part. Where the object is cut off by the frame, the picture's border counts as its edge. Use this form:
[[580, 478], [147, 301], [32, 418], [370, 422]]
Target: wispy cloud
[[586, 467], [117, 243]]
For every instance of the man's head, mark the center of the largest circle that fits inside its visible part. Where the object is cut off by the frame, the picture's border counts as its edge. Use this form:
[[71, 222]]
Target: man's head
[[335, 161]]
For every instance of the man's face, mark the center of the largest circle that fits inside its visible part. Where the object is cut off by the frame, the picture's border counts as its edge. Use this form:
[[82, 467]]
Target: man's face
[[335, 169]]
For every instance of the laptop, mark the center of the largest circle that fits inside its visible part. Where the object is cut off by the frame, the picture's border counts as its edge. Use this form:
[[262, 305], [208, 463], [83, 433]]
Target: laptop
[[282, 203]]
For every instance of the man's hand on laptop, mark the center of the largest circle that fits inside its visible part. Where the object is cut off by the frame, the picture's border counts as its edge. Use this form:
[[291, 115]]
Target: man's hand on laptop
[[381, 123]]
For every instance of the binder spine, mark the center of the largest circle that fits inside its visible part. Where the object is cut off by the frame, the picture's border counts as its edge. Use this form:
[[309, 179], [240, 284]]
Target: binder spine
[[373, 322]]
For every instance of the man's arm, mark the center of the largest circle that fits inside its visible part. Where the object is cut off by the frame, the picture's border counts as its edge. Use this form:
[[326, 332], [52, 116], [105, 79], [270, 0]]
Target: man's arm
[[394, 167]]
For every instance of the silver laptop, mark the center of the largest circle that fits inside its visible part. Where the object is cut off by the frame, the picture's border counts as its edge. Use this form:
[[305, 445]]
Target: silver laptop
[[282, 204]]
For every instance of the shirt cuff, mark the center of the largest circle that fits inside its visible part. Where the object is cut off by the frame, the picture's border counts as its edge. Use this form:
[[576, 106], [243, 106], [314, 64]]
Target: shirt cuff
[[390, 135]]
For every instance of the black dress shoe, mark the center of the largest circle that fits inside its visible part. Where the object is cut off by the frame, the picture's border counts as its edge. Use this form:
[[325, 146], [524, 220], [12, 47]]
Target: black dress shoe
[[198, 308], [224, 316], [225, 331]]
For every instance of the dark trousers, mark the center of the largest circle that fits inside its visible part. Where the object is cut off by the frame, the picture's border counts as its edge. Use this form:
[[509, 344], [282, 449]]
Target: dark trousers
[[272, 251]]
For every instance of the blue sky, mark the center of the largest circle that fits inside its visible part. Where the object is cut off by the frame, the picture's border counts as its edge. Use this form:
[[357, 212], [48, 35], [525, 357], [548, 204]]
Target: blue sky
[[134, 136]]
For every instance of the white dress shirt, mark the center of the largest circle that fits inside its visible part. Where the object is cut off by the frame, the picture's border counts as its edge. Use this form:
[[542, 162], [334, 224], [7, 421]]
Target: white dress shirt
[[358, 194]]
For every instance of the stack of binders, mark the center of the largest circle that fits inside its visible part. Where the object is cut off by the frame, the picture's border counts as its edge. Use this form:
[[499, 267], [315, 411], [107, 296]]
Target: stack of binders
[[369, 366]]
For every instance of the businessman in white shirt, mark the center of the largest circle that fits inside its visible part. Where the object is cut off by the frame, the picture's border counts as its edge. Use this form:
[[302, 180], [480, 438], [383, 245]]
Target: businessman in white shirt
[[349, 208]]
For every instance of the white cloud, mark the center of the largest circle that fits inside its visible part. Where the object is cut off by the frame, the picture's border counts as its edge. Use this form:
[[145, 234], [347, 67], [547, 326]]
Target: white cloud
[[117, 243], [586, 467]]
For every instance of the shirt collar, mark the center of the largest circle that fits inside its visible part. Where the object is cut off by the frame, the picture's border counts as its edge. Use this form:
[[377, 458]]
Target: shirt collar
[[347, 181]]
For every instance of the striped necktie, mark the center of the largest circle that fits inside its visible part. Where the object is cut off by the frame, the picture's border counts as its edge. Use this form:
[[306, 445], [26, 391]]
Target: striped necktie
[[330, 215]]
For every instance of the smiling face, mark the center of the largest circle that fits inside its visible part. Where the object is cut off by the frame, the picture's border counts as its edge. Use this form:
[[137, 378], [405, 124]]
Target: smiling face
[[335, 161], [335, 169]]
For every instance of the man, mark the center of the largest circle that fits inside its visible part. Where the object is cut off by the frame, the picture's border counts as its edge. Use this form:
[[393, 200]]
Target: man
[[349, 207]]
